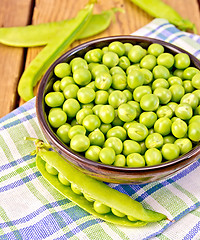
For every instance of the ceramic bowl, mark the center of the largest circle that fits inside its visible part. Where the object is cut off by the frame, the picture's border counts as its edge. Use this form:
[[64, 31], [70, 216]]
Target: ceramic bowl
[[109, 173]]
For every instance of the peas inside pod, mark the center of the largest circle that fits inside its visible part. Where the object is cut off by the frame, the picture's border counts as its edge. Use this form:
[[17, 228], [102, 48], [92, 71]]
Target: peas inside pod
[[126, 105]]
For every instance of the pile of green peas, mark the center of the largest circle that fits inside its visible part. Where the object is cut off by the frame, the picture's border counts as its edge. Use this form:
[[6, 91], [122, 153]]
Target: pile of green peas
[[126, 105]]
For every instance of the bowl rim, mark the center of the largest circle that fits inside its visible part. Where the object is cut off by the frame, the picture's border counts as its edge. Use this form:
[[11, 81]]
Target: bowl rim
[[80, 158]]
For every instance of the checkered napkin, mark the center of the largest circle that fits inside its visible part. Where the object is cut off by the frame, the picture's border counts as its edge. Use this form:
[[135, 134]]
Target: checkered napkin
[[30, 208]]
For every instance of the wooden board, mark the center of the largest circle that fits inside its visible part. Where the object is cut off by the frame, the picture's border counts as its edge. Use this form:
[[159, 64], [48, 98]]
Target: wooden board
[[22, 12]]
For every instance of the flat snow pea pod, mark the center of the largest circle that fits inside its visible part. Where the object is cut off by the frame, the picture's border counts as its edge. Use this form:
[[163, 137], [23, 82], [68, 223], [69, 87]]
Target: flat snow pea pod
[[97, 190], [51, 51], [159, 9], [40, 34]]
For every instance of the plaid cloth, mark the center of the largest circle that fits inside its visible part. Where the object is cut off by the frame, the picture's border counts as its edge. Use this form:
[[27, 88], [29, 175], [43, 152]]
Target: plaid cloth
[[30, 208]]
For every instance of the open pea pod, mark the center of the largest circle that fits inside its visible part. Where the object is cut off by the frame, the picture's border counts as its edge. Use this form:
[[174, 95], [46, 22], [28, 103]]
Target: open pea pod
[[41, 34], [96, 190]]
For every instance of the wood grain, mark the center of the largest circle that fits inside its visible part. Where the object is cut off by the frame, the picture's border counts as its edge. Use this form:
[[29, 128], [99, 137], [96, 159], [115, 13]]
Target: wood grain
[[12, 13], [11, 59]]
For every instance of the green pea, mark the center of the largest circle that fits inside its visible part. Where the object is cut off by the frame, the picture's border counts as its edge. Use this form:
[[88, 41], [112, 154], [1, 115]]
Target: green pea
[[160, 82], [172, 105], [197, 93], [110, 59], [82, 76], [107, 155], [70, 91], [106, 114], [71, 107], [195, 119], [175, 80], [164, 111], [105, 127], [184, 144], [177, 92], [130, 146], [117, 70], [148, 62], [136, 105], [57, 117], [149, 102], [76, 129], [50, 169], [101, 97], [184, 111], [62, 70], [78, 63], [66, 81], [116, 98], [135, 79], [148, 119], [155, 49], [181, 61], [103, 81], [136, 53], [153, 157], [54, 99], [97, 138], [132, 67], [56, 86], [128, 94], [169, 139], [154, 140], [126, 112], [143, 148], [163, 126], [124, 62], [166, 60], [189, 73], [82, 113], [194, 131], [120, 161], [94, 55], [118, 132], [178, 73], [127, 46], [117, 47], [62, 132], [140, 91], [196, 81], [160, 71], [190, 99], [91, 122], [137, 131], [148, 76], [170, 151], [117, 213], [179, 128], [63, 179], [119, 81], [187, 84], [114, 143], [99, 69], [75, 189], [92, 153], [79, 143], [85, 95], [101, 208], [135, 160]]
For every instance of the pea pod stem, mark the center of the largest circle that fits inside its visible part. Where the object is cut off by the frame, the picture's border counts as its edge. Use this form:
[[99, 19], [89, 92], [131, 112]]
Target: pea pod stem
[[51, 51], [158, 9], [40, 34]]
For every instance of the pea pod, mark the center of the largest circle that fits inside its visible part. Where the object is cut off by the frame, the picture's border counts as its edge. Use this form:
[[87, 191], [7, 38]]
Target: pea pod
[[96, 190], [157, 8], [51, 51], [39, 35]]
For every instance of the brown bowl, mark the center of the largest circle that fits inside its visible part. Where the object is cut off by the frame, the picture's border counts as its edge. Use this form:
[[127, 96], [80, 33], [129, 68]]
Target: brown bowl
[[110, 173]]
